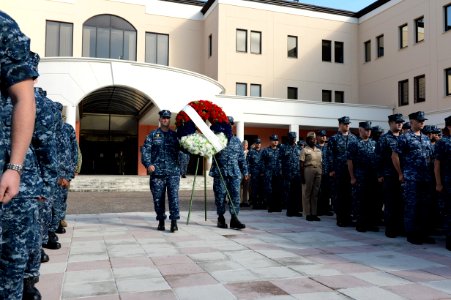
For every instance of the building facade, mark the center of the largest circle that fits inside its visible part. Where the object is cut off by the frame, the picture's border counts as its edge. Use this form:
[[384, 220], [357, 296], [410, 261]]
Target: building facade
[[276, 66]]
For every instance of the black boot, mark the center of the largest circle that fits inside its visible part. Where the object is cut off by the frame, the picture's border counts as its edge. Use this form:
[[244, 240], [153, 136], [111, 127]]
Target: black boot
[[174, 226], [53, 242], [161, 225], [60, 229], [221, 222], [44, 257], [53, 237], [30, 292], [235, 223]]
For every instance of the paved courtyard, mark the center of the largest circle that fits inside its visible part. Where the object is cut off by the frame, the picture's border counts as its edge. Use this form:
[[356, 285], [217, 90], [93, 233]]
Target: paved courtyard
[[122, 256]]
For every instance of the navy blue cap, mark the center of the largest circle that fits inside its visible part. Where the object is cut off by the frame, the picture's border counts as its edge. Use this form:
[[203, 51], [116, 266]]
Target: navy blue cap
[[426, 129], [377, 129], [292, 135], [165, 113], [258, 141], [59, 106], [365, 125], [448, 121], [274, 137], [322, 133], [344, 120], [397, 118], [406, 125], [231, 121], [435, 129], [419, 116]]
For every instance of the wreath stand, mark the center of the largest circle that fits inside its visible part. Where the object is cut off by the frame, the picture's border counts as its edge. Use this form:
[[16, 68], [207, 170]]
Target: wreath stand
[[205, 190]]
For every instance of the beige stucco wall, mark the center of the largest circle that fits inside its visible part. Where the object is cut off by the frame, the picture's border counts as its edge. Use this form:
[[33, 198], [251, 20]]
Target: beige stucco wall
[[379, 78]]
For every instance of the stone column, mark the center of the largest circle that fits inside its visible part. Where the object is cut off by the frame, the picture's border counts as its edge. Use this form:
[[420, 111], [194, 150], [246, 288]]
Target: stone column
[[240, 130], [71, 115]]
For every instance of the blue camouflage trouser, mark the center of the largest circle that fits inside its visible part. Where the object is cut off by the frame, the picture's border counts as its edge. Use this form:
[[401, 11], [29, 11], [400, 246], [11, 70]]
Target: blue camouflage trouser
[[59, 207], [233, 187], [417, 196], [158, 186], [45, 218], [393, 205], [21, 236], [445, 206]]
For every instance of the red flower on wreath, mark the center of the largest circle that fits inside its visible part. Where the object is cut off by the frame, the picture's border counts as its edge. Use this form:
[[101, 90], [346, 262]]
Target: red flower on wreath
[[207, 110]]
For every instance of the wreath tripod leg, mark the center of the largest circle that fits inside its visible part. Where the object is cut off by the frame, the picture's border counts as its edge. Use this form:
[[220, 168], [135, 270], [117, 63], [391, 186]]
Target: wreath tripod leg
[[192, 192]]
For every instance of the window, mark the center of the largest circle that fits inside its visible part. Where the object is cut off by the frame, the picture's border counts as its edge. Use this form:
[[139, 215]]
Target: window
[[339, 96], [403, 92], [339, 52], [367, 46], [448, 81], [380, 45], [256, 90], [420, 88], [256, 42], [157, 48], [447, 17], [108, 36], [210, 45], [241, 89], [58, 38], [327, 50], [241, 40], [327, 96], [292, 93], [419, 30], [292, 46], [403, 36]]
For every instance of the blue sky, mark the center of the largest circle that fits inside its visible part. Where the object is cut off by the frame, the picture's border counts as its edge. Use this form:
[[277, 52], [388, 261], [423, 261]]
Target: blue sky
[[352, 5]]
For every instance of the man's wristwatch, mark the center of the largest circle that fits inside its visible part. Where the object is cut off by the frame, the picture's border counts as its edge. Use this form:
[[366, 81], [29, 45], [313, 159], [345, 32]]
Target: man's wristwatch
[[15, 167]]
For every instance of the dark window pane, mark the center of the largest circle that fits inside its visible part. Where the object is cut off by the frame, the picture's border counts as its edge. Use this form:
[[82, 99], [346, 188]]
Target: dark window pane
[[163, 49], [448, 81], [419, 34], [66, 39], [58, 39], [130, 45], [292, 46], [403, 92], [420, 88], [403, 36], [241, 40], [367, 47], [339, 96], [256, 42], [327, 96], [117, 42], [447, 17], [210, 45], [241, 89], [292, 93], [339, 52], [380, 46], [151, 48], [327, 50], [256, 90], [103, 43]]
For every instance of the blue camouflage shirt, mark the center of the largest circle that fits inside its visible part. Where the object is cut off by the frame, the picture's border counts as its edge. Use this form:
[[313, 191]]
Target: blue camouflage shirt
[[443, 154], [384, 148], [290, 160], [363, 156], [67, 148], [161, 149], [337, 149], [323, 149], [271, 162], [415, 153], [253, 161], [231, 160]]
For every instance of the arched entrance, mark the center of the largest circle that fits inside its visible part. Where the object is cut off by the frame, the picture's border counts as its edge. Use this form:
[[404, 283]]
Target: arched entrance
[[109, 130]]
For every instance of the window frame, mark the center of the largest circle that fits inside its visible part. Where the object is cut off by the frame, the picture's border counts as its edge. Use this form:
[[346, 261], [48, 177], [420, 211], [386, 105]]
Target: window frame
[[260, 35], [401, 32], [448, 82], [416, 30], [326, 57], [327, 92], [59, 38], [380, 50], [447, 13], [401, 95], [245, 40], [255, 85], [157, 34], [245, 88], [292, 88], [337, 54], [416, 82], [367, 51], [296, 48]]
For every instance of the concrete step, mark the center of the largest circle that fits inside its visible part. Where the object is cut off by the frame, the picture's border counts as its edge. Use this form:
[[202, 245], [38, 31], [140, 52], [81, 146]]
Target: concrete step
[[129, 183]]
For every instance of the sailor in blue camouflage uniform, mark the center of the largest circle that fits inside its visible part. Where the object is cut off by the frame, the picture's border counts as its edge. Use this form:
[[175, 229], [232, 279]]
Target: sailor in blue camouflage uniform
[[256, 184], [411, 159], [17, 218], [324, 207], [336, 156], [442, 171], [67, 149], [362, 166], [387, 175], [271, 168], [228, 168], [159, 155], [291, 174], [184, 161]]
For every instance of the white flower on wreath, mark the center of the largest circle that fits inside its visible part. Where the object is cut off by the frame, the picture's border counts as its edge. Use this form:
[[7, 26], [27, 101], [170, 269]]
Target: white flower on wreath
[[198, 144]]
